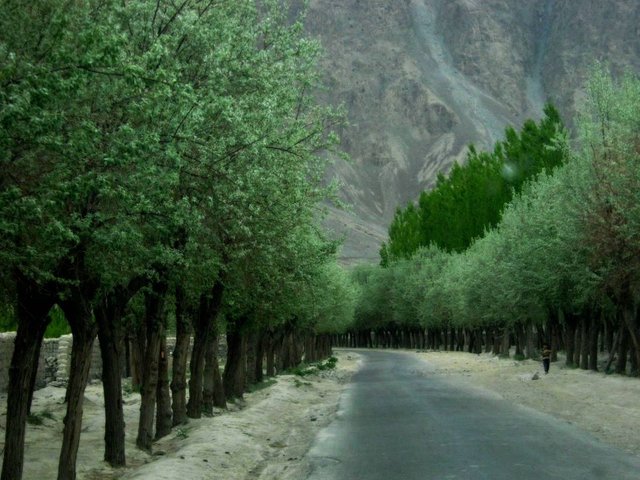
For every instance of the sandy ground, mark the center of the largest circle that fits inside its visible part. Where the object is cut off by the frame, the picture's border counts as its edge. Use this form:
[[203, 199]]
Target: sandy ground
[[265, 436]]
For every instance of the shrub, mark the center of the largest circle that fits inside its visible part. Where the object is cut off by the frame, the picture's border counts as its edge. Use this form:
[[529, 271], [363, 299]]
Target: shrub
[[59, 325]]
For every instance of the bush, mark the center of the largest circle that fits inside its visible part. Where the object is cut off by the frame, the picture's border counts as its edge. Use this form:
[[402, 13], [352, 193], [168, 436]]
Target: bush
[[59, 325], [7, 319]]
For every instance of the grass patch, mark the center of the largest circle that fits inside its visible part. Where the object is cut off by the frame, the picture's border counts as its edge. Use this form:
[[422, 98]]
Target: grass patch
[[182, 433], [299, 383], [38, 418], [519, 357], [303, 369], [262, 385], [328, 365]]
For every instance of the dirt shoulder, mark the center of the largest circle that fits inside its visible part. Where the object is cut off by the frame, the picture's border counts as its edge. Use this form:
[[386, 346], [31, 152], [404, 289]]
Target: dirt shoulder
[[607, 406], [264, 436]]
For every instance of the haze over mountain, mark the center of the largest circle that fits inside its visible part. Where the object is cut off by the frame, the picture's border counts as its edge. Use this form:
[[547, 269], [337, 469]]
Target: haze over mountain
[[422, 79]]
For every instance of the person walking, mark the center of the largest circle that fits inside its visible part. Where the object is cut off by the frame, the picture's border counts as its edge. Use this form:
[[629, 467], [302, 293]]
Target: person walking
[[546, 358]]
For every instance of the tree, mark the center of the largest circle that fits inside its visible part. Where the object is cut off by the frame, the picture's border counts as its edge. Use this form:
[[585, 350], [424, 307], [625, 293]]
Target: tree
[[164, 134], [609, 134]]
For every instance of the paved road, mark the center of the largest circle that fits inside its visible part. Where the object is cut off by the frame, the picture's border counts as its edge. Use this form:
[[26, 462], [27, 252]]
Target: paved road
[[397, 421]]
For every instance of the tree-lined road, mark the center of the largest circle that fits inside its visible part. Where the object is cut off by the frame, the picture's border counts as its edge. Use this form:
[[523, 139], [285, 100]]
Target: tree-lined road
[[398, 421]]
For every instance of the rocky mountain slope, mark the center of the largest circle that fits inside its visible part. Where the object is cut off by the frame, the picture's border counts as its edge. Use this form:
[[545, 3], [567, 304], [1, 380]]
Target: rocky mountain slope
[[422, 79]]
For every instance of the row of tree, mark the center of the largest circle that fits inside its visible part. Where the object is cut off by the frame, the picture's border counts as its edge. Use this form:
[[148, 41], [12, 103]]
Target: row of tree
[[161, 161], [471, 198], [561, 266]]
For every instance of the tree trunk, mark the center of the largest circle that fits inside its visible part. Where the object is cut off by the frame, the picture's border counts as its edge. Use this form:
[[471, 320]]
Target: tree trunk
[[629, 314], [77, 310], [196, 366], [163, 397], [570, 323], [496, 344], [556, 336], [633, 360], [207, 379], [259, 373], [34, 303], [270, 354], [593, 344], [108, 318], [621, 363], [278, 348], [584, 342], [213, 394], [296, 349], [138, 346], [519, 338], [577, 341], [234, 370], [529, 339], [108, 314], [250, 369], [180, 355], [154, 312], [478, 343], [609, 335], [612, 350], [506, 342], [219, 398], [285, 353], [209, 307], [36, 359], [78, 377]]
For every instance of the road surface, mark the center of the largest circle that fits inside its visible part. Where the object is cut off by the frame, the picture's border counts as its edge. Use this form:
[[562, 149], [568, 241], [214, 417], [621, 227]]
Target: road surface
[[398, 421]]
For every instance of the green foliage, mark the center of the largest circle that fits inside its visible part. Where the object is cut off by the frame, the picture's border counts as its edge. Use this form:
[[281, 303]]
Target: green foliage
[[467, 203], [610, 137], [58, 325], [304, 370], [330, 364], [565, 241], [7, 319], [171, 141]]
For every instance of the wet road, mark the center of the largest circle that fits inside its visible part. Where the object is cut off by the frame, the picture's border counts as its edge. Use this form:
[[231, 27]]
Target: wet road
[[398, 421]]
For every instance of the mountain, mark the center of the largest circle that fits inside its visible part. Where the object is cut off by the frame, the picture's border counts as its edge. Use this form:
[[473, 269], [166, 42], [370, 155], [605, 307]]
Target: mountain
[[421, 79]]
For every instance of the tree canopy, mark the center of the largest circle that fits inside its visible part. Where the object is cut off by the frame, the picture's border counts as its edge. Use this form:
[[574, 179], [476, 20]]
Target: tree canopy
[[470, 200]]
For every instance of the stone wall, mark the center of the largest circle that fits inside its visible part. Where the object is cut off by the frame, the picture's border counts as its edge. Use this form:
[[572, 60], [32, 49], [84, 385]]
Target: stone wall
[[55, 359]]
